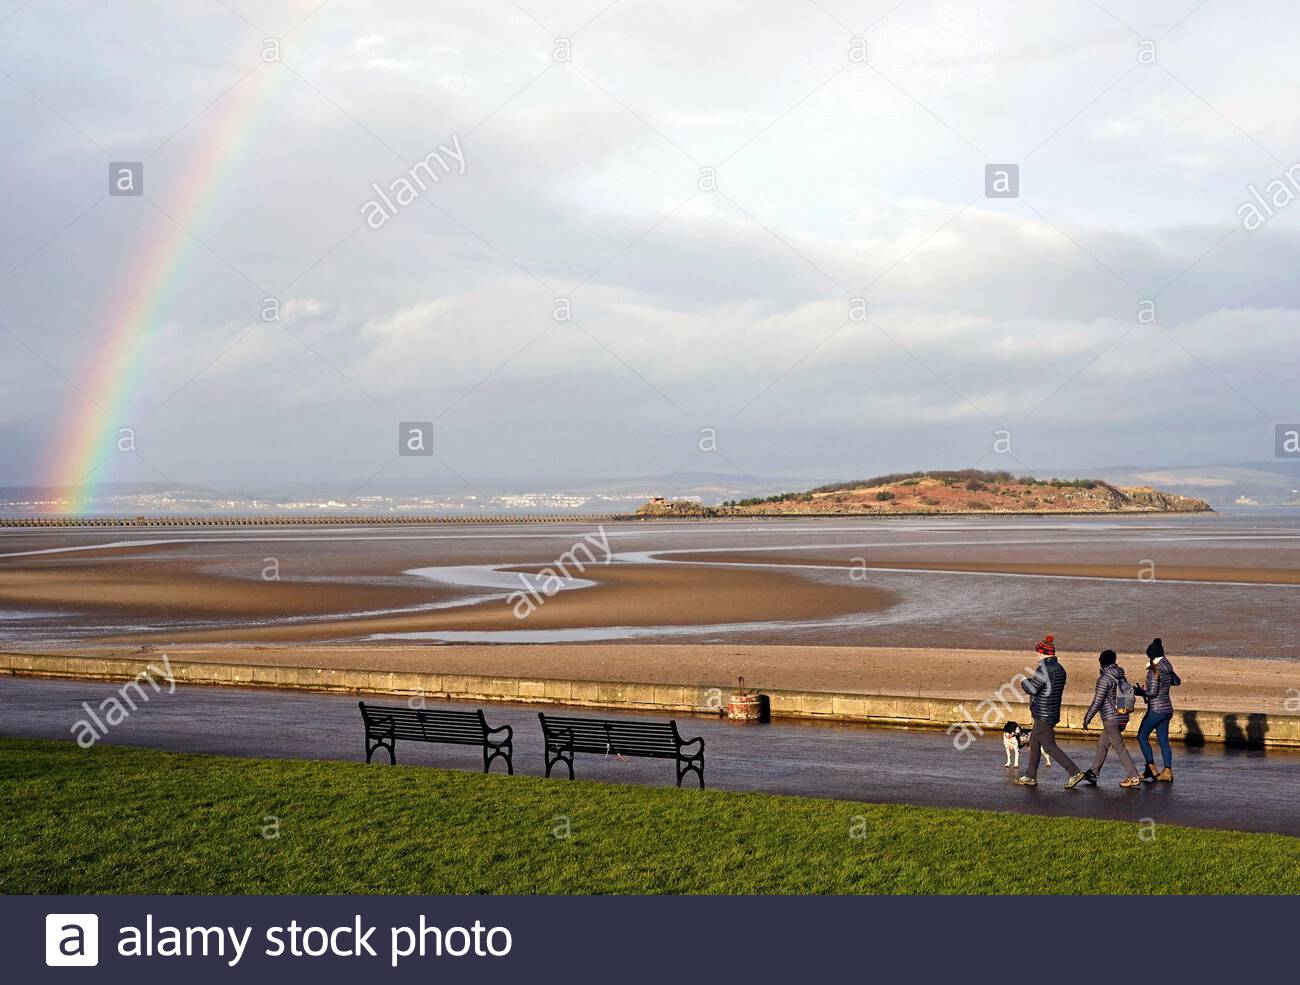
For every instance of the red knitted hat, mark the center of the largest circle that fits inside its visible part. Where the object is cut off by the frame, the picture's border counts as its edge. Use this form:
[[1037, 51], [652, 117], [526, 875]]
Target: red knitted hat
[[1047, 646]]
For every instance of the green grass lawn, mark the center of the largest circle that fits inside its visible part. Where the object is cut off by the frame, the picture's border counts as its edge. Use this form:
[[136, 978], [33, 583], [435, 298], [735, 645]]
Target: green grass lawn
[[135, 821]]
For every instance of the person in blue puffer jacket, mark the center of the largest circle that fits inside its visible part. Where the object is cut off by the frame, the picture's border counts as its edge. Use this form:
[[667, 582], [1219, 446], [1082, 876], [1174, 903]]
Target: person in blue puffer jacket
[[1046, 689], [1113, 721], [1161, 676]]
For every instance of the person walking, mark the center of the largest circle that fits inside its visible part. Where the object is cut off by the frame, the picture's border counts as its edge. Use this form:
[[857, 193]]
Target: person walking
[[1113, 699], [1046, 689], [1161, 676]]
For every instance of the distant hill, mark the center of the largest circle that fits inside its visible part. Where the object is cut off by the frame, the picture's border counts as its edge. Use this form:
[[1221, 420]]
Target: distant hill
[[1275, 483], [969, 491]]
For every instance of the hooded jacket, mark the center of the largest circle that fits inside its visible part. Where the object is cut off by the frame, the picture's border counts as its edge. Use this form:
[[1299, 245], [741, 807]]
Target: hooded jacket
[[1103, 698], [1161, 676]]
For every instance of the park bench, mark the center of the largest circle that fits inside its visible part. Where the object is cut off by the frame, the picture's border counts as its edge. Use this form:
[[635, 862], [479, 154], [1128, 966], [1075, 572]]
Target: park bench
[[386, 724], [618, 737]]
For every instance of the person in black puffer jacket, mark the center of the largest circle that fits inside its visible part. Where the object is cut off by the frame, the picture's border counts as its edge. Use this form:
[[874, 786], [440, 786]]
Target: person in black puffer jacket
[[1046, 689], [1161, 676], [1113, 721]]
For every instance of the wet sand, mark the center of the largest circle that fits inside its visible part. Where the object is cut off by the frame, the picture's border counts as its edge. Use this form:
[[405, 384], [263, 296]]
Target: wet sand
[[1210, 683], [178, 590], [1131, 572], [1224, 586], [624, 595]]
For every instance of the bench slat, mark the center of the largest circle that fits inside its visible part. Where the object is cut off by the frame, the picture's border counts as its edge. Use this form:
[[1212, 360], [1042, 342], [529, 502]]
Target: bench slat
[[611, 723], [415, 728], [649, 728], [612, 735], [614, 738], [407, 715], [420, 724]]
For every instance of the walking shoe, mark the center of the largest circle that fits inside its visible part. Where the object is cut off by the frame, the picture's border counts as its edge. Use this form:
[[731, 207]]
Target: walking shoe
[[1090, 776], [1131, 781], [1150, 772], [1073, 781], [1026, 781], [1166, 775]]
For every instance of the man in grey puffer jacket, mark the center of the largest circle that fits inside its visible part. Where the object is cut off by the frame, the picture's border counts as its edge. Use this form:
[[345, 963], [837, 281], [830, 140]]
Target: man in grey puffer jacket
[[1113, 721], [1046, 689]]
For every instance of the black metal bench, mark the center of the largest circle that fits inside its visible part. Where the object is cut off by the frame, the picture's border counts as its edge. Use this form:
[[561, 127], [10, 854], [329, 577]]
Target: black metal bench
[[386, 724], [619, 737]]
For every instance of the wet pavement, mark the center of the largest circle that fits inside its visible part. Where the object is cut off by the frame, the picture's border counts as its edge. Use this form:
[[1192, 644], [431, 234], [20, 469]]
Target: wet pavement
[[1246, 790]]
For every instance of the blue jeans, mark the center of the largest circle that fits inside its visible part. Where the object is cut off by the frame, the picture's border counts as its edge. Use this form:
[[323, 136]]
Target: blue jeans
[[1159, 721]]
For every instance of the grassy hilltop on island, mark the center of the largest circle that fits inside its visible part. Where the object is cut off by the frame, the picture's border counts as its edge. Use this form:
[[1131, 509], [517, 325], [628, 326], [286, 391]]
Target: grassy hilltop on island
[[969, 491]]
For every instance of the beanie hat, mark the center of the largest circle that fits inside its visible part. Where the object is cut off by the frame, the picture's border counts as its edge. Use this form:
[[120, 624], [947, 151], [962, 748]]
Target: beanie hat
[[1106, 658], [1047, 646], [1156, 650]]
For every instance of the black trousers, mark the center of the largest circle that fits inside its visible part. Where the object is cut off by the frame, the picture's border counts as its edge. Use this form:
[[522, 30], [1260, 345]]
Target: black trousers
[[1043, 737]]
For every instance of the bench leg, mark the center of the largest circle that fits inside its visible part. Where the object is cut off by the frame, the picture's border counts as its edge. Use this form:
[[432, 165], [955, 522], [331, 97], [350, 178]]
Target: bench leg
[[505, 751], [381, 744], [558, 758], [685, 766]]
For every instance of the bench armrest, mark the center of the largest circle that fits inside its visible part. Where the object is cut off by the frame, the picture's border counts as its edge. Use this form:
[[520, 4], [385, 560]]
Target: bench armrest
[[699, 738], [502, 728]]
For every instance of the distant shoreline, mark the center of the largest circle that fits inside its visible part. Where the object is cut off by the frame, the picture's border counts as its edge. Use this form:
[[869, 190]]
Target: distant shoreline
[[362, 519]]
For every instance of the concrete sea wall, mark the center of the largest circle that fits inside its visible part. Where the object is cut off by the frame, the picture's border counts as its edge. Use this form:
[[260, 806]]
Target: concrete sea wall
[[1194, 727]]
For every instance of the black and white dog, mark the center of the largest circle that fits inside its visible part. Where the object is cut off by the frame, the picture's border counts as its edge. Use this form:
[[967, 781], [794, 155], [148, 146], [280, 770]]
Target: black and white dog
[[1014, 737]]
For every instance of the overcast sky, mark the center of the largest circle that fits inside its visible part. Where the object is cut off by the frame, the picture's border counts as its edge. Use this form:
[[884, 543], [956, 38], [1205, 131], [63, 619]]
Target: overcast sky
[[724, 308]]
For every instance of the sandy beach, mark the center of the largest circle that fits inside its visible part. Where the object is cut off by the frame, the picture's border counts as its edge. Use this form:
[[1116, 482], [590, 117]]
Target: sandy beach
[[1219, 587]]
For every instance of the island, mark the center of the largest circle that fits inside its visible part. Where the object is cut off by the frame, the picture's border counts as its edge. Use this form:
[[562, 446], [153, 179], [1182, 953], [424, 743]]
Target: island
[[962, 492]]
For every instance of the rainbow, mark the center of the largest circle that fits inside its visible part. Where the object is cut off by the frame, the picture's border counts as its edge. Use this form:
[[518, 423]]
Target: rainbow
[[88, 436]]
